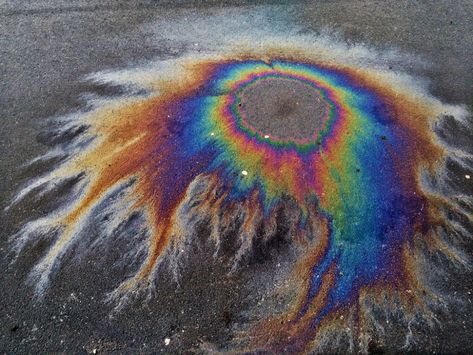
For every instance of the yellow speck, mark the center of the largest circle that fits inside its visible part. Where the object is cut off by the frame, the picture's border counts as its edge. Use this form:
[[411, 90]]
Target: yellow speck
[[467, 177], [244, 172], [266, 136], [212, 134]]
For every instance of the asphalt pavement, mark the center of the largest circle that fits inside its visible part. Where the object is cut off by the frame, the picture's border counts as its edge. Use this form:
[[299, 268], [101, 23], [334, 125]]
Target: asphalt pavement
[[48, 48]]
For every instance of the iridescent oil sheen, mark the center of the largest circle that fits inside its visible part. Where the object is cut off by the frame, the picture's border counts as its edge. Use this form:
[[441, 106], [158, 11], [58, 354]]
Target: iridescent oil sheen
[[356, 169], [356, 177]]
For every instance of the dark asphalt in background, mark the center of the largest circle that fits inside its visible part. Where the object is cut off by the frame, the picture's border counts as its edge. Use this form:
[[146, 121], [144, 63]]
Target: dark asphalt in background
[[46, 50]]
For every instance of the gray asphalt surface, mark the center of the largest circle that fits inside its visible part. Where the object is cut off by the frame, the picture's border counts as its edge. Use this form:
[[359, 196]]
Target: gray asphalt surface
[[47, 49], [303, 112]]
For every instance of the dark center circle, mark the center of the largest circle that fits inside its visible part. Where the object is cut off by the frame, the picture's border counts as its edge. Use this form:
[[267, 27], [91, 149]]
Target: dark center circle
[[282, 107]]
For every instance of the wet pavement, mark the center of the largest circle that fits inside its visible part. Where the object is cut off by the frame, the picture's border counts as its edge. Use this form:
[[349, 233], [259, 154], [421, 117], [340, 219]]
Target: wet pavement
[[48, 51]]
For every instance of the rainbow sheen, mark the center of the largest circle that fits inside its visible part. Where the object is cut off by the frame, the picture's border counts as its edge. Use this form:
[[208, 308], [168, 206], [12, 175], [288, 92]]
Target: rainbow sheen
[[350, 169]]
